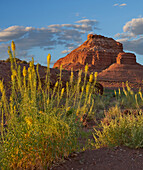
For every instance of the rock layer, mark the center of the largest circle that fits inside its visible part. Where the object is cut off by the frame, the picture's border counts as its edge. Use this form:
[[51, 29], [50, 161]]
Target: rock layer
[[98, 51]]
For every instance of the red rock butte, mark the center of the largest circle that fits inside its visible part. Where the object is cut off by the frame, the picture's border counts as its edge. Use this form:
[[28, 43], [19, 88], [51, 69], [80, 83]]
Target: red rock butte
[[106, 56], [98, 51]]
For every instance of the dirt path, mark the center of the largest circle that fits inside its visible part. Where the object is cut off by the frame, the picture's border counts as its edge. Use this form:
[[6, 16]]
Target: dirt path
[[118, 158]]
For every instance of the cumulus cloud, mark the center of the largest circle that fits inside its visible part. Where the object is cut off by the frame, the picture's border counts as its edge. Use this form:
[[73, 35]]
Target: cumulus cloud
[[132, 37], [134, 26], [13, 32], [47, 38]]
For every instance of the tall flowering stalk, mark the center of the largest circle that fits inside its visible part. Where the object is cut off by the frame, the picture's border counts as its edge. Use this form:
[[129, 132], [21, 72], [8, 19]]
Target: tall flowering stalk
[[13, 50]]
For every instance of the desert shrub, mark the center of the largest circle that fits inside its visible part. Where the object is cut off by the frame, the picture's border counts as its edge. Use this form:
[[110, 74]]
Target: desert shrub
[[120, 129], [40, 125]]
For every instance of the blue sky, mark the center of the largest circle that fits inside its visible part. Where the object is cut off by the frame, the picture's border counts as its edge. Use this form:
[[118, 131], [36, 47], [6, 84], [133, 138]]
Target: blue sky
[[39, 27]]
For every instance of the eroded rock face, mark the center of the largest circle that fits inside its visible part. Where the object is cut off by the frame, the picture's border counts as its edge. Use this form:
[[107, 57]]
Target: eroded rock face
[[98, 51], [126, 58]]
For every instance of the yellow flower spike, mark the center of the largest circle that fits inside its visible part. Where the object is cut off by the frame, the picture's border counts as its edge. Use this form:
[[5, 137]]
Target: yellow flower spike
[[68, 109], [30, 76], [86, 68], [77, 112], [87, 88], [30, 64], [62, 92], [91, 78], [13, 46], [40, 112], [56, 84], [115, 92], [119, 91], [82, 88], [49, 58], [71, 77], [14, 72], [12, 77], [28, 120], [24, 71], [1, 86], [140, 93], [9, 50], [95, 74], [48, 101], [29, 70]]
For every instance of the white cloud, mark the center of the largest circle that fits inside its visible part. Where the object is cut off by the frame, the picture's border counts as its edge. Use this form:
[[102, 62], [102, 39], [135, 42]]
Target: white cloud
[[123, 4], [120, 5], [14, 32], [87, 22], [132, 38], [47, 38], [134, 26], [116, 5], [66, 51]]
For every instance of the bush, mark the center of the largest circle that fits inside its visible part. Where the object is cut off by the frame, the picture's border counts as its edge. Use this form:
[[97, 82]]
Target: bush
[[120, 129], [40, 125]]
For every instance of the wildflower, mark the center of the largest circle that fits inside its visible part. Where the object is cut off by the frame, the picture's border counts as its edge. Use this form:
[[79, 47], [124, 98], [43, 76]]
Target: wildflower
[[14, 108], [12, 77], [9, 50], [68, 109], [13, 46], [82, 88], [30, 76], [28, 120], [115, 92], [62, 92], [71, 77], [14, 72], [79, 76], [24, 71], [1, 86], [95, 75], [136, 98], [48, 101], [40, 112], [119, 91], [87, 88], [86, 68], [91, 78], [77, 112], [49, 58], [56, 85], [140, 93]]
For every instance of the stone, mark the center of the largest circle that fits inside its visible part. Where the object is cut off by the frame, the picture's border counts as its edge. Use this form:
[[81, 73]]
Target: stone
[[98, 51]]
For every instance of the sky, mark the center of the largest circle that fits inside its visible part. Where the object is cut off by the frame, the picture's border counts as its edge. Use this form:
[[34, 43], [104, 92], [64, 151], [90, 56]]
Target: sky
[[40, 27]]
